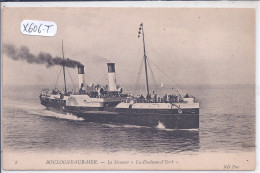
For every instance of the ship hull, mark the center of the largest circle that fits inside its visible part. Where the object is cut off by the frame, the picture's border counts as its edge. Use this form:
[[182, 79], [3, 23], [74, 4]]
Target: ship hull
[[143, 119], [53, 106], [169, 119], [166, 120], [162, 120]]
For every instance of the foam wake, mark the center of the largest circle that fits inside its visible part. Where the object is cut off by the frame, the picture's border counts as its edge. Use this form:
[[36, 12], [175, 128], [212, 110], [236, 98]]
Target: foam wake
[[38, 110], [68, 116], [160, 125], [125, 126]]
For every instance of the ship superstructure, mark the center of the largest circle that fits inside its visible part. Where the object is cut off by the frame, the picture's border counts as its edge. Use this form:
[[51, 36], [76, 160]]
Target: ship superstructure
[[96, 99]]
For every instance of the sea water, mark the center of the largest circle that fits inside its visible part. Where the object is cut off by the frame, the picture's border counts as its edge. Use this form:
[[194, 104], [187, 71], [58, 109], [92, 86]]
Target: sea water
[[227, 124]]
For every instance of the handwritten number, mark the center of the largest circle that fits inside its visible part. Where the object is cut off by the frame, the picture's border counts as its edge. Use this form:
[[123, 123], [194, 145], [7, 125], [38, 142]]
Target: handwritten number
[[44, 28], [34, 28], [30, 28], [39, 29]]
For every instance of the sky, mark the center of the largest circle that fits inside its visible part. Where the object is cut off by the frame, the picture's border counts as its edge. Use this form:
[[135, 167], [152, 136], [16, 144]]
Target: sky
[[188, 45]]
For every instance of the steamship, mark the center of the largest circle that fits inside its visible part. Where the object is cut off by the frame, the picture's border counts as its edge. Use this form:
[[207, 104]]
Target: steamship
[[110, 105]]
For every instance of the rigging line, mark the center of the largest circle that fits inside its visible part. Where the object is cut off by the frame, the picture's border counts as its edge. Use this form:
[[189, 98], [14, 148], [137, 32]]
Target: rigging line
[[159, 55], [147, 52], [153, 78], [136, 62], [118, 80], [168, 76], [57, 79], [71, 79], [101, 79], [88, 77], [164, 73], [137, 84], [93, 81], [155, 86], [140, 77]]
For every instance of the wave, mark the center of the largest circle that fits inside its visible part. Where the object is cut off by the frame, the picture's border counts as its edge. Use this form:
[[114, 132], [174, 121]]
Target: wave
[[125, 126], [67, 116], [160, 126], [39, 110], [135, 126], [112, 125], [179, 129]]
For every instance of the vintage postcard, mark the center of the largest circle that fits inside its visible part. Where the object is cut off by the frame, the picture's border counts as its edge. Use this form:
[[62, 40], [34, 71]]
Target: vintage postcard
[[127, 88]]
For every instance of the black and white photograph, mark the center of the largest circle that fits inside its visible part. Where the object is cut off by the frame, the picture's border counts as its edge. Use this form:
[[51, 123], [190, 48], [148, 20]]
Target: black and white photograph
[[113, 88]]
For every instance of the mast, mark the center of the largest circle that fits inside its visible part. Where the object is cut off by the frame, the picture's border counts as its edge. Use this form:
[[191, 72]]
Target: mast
[[145, 58], [64, 69]]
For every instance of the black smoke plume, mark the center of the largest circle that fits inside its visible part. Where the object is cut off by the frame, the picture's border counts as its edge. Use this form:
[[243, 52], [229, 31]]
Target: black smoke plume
[[23, 54]]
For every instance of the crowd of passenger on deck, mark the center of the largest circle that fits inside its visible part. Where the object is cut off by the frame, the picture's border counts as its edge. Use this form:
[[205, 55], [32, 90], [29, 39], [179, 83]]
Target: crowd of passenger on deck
[[96, 91], [155, 98]]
